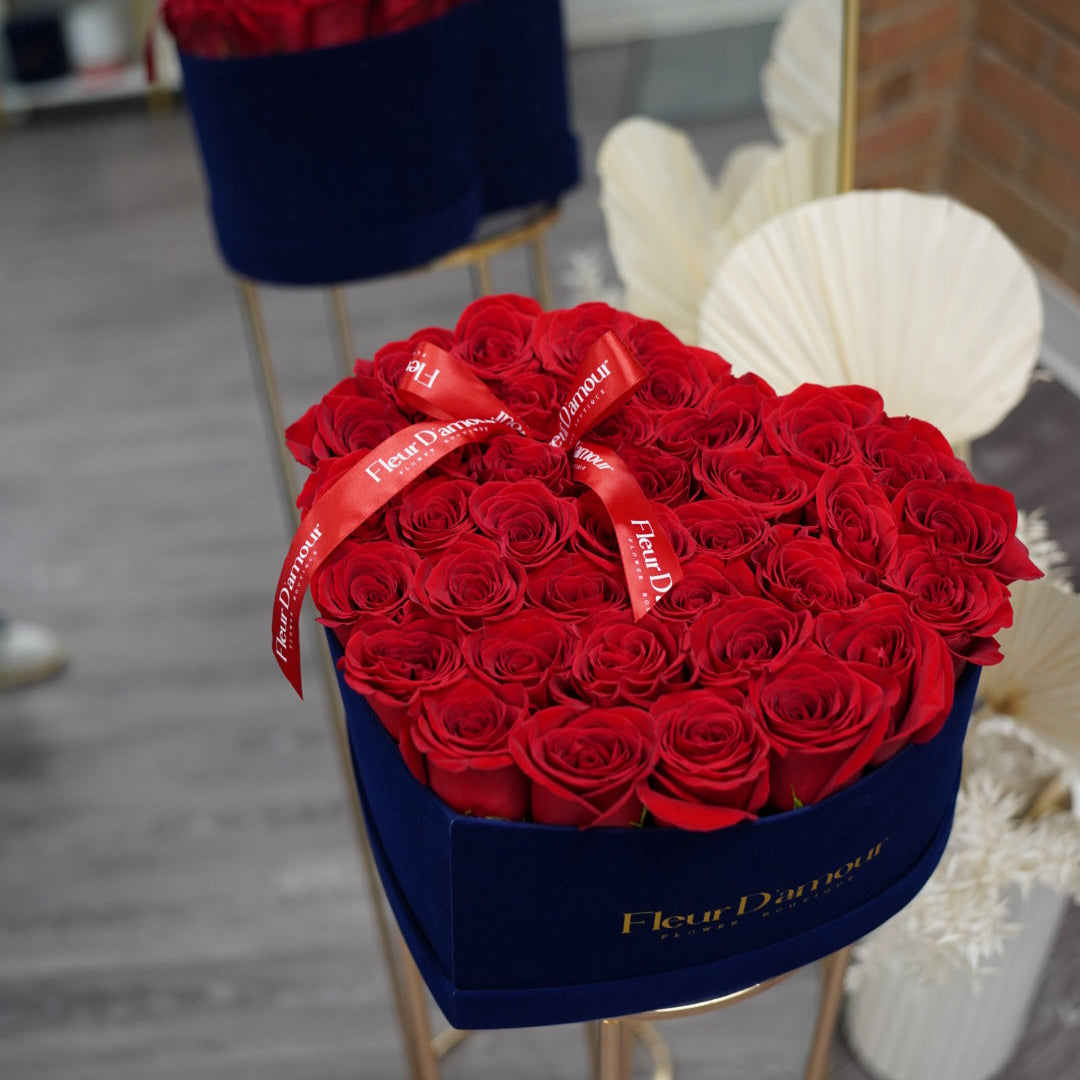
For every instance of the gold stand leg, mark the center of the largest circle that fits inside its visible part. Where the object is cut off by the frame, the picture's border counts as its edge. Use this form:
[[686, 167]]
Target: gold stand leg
[[832, 993], [417, 1001], [612, 1050], [480, 275], [539, 275], [342, 329], [413, 1019]]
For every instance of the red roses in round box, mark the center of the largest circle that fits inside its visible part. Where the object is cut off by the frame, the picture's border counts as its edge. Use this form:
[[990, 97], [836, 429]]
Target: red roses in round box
[[751, 600]]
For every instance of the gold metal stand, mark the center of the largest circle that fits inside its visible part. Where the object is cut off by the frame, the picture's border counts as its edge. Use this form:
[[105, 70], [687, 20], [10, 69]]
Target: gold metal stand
[[611, 1042], [848, 96]]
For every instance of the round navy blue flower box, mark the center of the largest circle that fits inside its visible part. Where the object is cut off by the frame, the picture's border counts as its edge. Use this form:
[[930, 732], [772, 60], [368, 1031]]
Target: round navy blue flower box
[[343, 163], [516, 925]]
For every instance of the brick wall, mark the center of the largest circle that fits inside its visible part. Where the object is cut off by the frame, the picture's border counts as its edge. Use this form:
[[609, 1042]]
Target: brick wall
[[980, 98]]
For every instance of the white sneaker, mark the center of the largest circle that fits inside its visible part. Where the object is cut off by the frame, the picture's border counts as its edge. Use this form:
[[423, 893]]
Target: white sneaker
[[28, 654]]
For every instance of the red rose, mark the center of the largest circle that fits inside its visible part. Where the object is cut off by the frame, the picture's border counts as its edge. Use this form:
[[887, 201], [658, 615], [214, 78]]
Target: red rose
[[803, 571], [815, 425], [524, 650], [629, 425], [389, 362], [966, 604], [772, 486], [744, 638], [585, 765], [856, 517], [493, 333], [530, 524], [533, 397], [726, 527], [515, 457], [349, 418], [622, 662], [562, 338], [678, 375], [326, 473], [362, 579], [707, 581], [881, 633], [463, 733], [391, 663], [470, 580], [576, 588], [974, 522], [898, 449], [595, 537], [433, 514], [335, 22], [663, 477], [732, 413], [713, 766], [825, 721], [391, 16]]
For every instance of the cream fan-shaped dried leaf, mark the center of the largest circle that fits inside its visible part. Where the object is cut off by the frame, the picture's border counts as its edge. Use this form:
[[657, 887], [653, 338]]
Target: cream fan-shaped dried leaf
[[740, 169], [800, 82], [799, 172], [656, 199], [1038, 682], [916, 296]]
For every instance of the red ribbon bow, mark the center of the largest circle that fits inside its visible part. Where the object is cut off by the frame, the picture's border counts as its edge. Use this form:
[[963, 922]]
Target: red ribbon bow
[[439, 384]]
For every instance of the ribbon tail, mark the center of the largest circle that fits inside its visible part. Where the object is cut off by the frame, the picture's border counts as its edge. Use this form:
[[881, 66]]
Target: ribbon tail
[[649, 561], [345, 506]]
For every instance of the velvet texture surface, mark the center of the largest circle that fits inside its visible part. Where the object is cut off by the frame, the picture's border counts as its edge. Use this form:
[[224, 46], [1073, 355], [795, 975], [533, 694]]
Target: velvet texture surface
[[521, 925], [343, 163]]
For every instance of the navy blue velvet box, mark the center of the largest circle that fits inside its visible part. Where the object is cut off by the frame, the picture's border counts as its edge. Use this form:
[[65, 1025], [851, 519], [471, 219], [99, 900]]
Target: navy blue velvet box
[[516, 925], [343, 163]]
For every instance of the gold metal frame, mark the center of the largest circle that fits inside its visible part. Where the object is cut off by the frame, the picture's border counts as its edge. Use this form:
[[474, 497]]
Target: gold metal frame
[[849, 85]]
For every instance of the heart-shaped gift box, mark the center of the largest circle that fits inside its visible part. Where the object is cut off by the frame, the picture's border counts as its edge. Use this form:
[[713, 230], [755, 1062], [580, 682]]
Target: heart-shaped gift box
[[599, 581]]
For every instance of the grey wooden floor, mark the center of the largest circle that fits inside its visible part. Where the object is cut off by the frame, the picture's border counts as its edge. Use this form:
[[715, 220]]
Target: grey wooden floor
[[179, 889]]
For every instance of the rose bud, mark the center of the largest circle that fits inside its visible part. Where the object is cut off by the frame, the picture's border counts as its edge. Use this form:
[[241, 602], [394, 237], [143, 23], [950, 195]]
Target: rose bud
[[432, 514], [585, 764], [361, 579], [708, 581], [744, 638], [391, 664], [713, 766], [966, 604], [856, 517], [900, 449], [493, 333], [463, 733], [562, 338], [974, 522], [882, 633], [770, 486], [575, 588], [525, 650], [803, 571], [825, 720], [470, 580], [814, 425], [723, 526], [530, 524], [516, 457], [620, 661]]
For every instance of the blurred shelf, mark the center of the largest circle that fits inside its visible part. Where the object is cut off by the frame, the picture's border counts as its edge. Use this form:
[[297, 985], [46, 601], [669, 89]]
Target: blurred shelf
[[17, 99]]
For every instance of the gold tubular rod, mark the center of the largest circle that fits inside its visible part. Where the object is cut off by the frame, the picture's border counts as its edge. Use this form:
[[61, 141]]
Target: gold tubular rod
[[495, 245], [650, 1038], [611, 1050], [342, 329], [848, 97], [414, 989], [447, 1040], [539, 273], [677, 1012], [832, 993], [592, 1048], [480, 276], [266, 383]]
